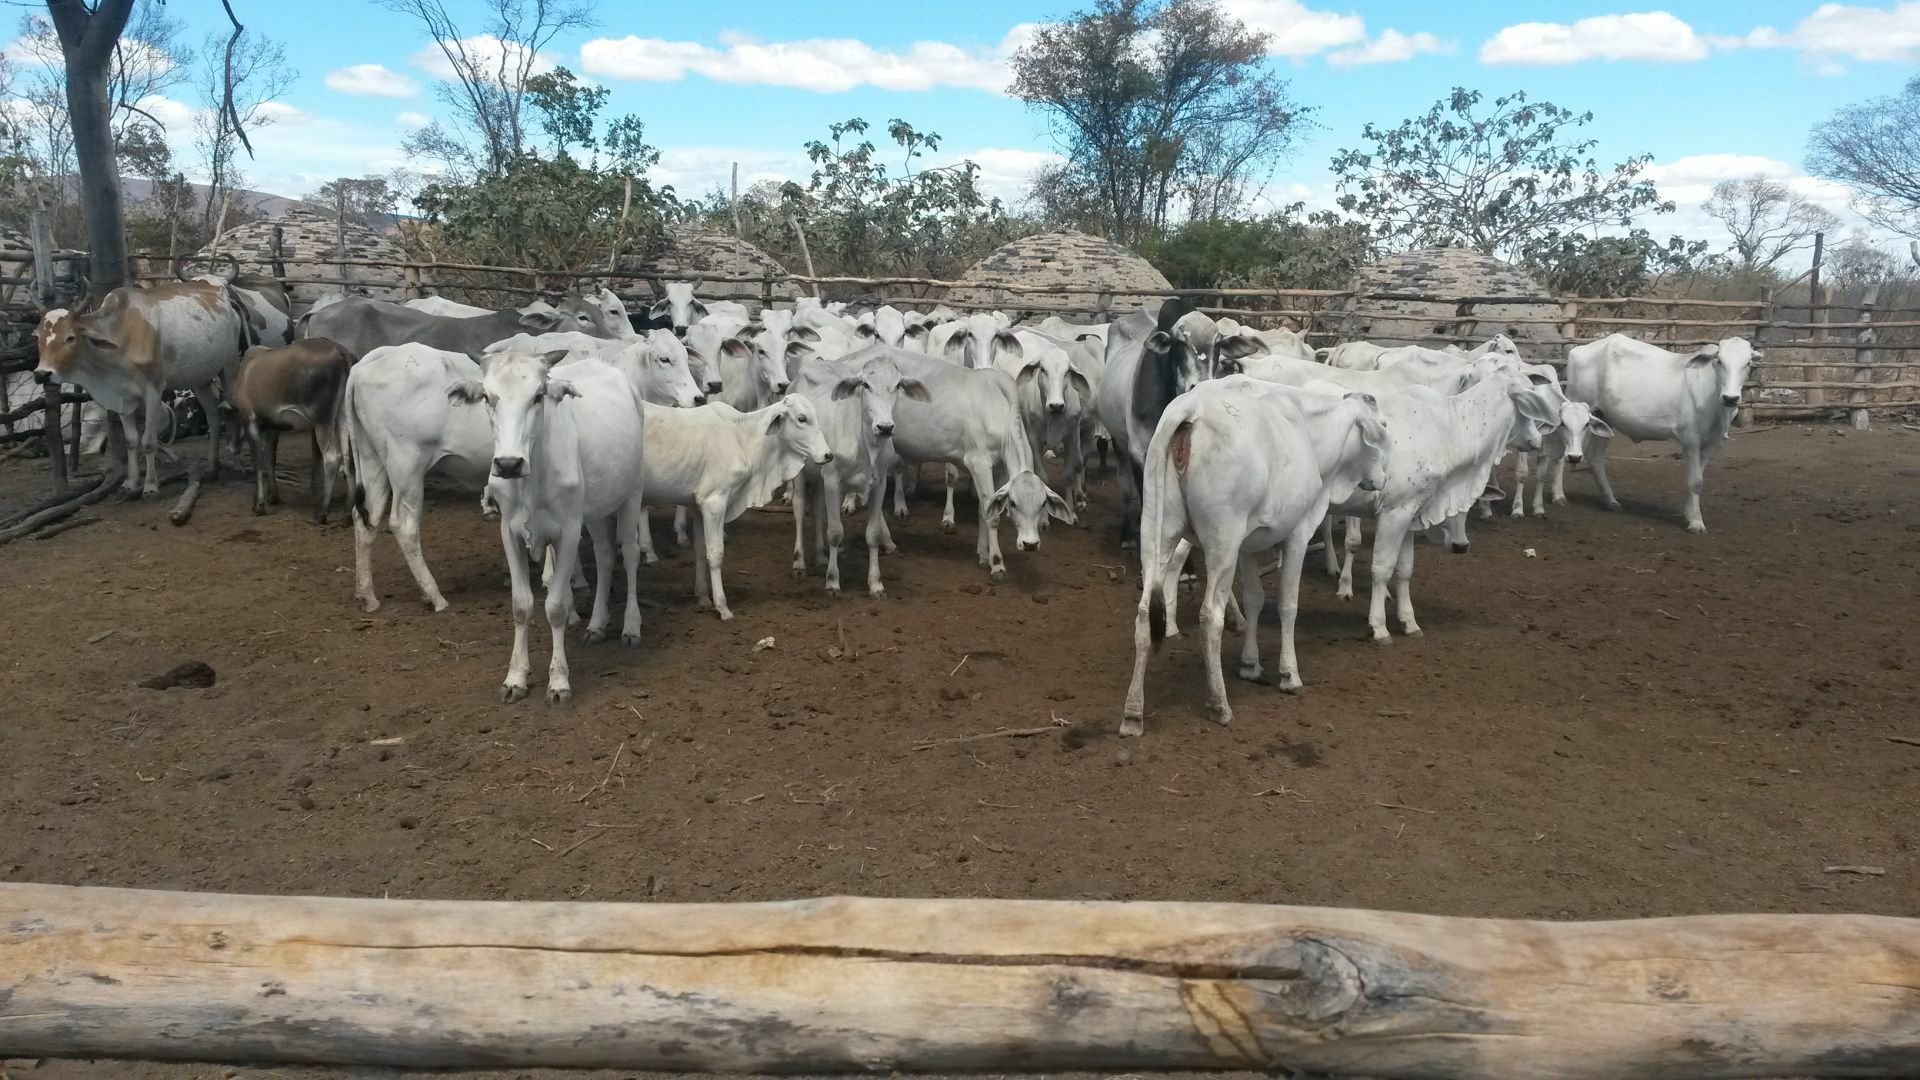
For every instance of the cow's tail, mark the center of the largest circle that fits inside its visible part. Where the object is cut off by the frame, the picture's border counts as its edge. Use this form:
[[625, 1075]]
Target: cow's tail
[[1166, 461], [352, 439]]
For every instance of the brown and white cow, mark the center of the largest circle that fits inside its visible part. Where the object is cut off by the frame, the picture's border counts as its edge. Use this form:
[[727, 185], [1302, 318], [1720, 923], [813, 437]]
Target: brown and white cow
[[297, 387], [174, 335]]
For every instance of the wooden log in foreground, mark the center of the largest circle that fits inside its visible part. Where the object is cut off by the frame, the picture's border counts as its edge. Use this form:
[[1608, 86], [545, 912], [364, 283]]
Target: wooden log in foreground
[[854, 984]]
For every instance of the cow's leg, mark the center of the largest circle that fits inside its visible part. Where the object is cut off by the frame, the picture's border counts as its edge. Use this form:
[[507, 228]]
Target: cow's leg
[[515, 687], [680, 534], [1547, 470], [628, 522], [272, 438], [1253, 597], [566, 547], [711, 545], [1390, 533], [1327, 548], [798, 488], [1350, 546], [326, 448], [1520, 483], [370, 498], [1559, 480], [130, 430], [877, 537], [899, 489], [1077, 468], [702, 593], [947, 521], [1597, 461], [150, 443], [1176, 564], [598, 531], [1220, 561], [257, 443], [987, 547], [830, 512], [1133, 710], [408, 499], [1403, 588], [1293, 558], [1695, 458], [210, 404], [645, 536]]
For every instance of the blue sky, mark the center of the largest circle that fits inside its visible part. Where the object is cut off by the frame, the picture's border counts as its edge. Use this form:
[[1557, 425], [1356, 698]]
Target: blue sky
[[1713, 90]]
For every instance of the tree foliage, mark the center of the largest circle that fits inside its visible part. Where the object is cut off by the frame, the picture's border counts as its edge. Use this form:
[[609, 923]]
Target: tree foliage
[[1282, 250], [1874, 148], [1630, 265], [1163, 109], [561, 209], [1765, 220], [1514, 180], [861, 217]]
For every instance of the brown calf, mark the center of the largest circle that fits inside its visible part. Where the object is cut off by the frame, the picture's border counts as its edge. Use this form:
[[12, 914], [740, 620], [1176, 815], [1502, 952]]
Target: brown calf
[[297, 387]]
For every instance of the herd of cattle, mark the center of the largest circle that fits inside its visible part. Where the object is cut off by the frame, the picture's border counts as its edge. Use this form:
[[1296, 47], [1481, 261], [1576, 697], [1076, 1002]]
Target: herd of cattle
[[576, 417]]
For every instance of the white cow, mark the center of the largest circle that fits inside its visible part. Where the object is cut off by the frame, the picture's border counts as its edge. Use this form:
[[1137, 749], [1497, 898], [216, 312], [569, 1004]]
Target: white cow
[[440, 305], [1055, 396], [719, 461], [657, 361], [1352, 355], [885, 324], [1567, 444], [855, 399], [567, 454], [1284, 342], [1242, 467], [1444, 448], [1647, 393]]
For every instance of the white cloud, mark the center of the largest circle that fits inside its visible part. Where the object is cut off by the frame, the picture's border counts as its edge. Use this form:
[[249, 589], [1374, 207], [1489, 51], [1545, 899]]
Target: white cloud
[[1005, 173], [486, 52], [176, 116], [1298, 31], [1392, 47], [411, 120], [823, 65], [1836, 32], [1651, 35], [371, 80]]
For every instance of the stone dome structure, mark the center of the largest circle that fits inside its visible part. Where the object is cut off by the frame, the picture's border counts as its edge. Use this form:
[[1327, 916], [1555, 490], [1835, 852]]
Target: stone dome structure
[[689, 251], [306, 236], [1080, 266], [1453, 274]]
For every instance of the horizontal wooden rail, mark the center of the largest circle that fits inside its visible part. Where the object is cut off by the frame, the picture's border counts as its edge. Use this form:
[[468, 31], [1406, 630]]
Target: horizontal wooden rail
[[846, 984]]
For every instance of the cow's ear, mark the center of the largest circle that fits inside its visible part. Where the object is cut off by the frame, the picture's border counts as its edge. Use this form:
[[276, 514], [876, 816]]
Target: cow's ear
[[1239, 345], [1159, 342], [1058, 507], [955, 351], [917, 330], [1078, 380], [997, 506], [1597, 426], [1027, 371], [915, 389], [552, 357], [1706, 354], [777, 420], [805, 333], [560, 390], [699, 310], [1007, 342], [846, 388], [100, 341], [661, 309], [465, 392], [866, 332], [736, 348], [542, 320]]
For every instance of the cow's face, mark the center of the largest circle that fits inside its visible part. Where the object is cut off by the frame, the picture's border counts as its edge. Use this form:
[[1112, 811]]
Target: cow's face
[[877, 385], [1504, 345], [795, 423], [1731, 359], [610, 312], [1231, 350], [1030, 502], [61, 337], [1453, 533], [775, 362], [590, 315], [678, 308], [1364, 465], [1534, 414], [666, 370], [1049, 367], [516, 389], [1577, 424]]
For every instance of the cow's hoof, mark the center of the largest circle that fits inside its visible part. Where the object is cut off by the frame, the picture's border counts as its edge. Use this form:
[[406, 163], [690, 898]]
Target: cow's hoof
[[1611, 504], [833, 588], [437, 606], [997, 575], [799, 573], [1559, 500], [1289, 683], [1383, 638], [1132, 726], [259, 509], [1414, 631], [595, 637], [1541, 513], [510, 693], [725, 615], [489, 515], [320, 518], [132, 494], [369, 604], [559, 695], [1696, 527], [649, 557], [1250, 672], [1343, 593], [631, 641], [948, 525], [877, 592], [273, 499], [1221, 714]]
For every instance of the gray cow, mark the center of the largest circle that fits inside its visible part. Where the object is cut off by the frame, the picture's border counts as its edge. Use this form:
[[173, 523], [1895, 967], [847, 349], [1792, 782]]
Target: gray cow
[[360, 325]]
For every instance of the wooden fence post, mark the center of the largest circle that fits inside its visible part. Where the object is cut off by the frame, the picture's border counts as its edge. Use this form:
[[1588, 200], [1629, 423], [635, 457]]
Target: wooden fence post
[[410, 275], [1569, 325], [1744, 418], [1863, 364], [1819, 299], [277, 253], [51, 428]]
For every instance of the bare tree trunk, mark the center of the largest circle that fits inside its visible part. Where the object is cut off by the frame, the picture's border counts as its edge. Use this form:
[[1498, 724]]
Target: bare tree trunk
[[87, 39]]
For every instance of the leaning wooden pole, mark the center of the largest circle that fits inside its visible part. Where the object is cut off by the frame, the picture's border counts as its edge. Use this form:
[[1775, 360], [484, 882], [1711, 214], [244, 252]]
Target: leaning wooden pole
[[852, 984]]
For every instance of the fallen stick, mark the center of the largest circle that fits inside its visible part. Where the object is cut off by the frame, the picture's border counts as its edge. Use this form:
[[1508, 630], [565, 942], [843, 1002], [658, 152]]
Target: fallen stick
[[1003, 733], [1404, 806], [1869, 871], [183, 507], [59, 527], [33, 522], [1907, 740], [601, 787], [835, 984]]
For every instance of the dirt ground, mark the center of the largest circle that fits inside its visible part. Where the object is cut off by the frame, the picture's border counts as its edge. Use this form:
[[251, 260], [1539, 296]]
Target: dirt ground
[[1636, 722]]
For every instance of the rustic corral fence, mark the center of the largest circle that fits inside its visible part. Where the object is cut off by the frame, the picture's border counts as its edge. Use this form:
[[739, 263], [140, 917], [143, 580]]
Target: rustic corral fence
[[1836, 356]]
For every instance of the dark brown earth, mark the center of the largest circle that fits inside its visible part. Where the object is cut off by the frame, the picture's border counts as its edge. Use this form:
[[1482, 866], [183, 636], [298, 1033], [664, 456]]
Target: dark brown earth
[[1637, 722]]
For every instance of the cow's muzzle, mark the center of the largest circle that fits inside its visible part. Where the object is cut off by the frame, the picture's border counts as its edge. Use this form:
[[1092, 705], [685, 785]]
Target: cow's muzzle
[[1731, 401], [1056, 406], [1369, 486], [1460, 548], [826, 458], [42, 376], [1026, 545], [509, 468], [1575, 459], [714, 387], [699, 400], [884, 431]]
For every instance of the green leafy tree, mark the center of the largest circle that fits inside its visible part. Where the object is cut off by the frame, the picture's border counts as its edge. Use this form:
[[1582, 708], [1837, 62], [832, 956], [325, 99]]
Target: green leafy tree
[[1159, 107], [1630, 265], [1516, 179], [1282, 250]]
